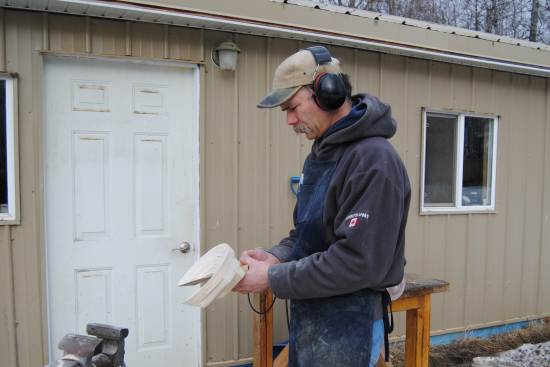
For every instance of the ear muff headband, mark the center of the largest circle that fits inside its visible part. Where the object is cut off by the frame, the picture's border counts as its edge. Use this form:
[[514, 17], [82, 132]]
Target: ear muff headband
[[329, 90]]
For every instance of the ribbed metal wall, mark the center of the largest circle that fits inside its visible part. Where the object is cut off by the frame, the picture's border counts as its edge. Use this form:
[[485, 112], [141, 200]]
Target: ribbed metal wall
[[498, 264]]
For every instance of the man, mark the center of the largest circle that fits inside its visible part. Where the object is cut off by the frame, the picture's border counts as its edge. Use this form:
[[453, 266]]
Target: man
[[347, 244]]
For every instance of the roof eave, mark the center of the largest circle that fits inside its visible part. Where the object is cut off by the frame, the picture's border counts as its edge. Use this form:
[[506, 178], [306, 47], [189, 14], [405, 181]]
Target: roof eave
[[192, 18]]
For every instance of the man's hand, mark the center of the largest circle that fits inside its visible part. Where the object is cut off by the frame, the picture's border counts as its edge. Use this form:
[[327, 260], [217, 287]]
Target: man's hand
[[255, 280], [260, 255]]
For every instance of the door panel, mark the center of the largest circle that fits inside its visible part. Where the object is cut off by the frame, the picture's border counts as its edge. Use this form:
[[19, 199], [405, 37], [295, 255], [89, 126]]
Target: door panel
[[121, 192]]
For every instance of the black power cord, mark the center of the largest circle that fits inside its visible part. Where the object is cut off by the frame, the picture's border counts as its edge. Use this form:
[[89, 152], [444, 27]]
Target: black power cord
[[269, 309], [260, 312]]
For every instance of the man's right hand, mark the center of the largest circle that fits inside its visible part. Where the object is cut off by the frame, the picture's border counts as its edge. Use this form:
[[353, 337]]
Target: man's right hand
[[260, 255]]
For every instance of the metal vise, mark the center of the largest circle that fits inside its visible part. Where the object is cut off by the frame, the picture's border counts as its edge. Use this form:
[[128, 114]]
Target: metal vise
[[105, 348]]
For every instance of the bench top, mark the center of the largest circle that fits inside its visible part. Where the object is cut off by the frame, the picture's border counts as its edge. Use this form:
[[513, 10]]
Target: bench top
[[417, 285]]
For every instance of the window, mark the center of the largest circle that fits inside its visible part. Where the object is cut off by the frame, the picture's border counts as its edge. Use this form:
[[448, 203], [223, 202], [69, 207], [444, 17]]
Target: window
[[9, 200], [458, 166]]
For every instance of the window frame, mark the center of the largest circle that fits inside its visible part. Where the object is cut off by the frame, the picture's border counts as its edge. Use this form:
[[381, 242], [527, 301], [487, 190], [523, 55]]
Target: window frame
[[458, 208], [12, 151]]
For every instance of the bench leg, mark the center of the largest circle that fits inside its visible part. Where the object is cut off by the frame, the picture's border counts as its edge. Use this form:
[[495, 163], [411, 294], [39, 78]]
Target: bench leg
[[263, 331], [425, 314], [417, 341], [282, 358]]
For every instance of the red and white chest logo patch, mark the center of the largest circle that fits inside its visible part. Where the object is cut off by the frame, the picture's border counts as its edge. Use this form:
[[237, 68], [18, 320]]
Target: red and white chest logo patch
[[353, 222]]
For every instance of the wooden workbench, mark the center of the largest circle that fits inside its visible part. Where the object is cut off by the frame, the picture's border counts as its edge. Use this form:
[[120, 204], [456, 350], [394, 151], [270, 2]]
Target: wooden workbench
[[416, 301]]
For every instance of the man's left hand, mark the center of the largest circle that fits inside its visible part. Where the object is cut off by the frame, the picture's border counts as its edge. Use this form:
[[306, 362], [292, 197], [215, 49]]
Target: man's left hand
[[255, 280]]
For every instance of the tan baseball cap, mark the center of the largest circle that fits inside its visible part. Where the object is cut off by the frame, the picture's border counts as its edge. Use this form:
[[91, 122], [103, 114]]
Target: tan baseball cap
[[293, 73]]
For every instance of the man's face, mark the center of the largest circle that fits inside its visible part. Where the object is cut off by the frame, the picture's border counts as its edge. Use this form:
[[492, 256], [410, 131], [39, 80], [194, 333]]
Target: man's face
[[304, 116]]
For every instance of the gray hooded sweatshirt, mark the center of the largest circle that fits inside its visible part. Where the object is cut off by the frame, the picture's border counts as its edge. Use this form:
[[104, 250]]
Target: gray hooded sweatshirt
[[365, 211]]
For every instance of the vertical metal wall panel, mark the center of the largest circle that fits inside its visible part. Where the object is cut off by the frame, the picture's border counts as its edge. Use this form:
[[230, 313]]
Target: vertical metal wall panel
[[7, 312], [148, 40], [108, 37], [66, 33], [393, 76], [252, 179], [534, 125], [517, 163], [543, 292], [434, 261], [496, 226], [221, 189], [455, 265], [482, 100], [23, 38], [461, 87], [475, 269], [184, 44], [2, 40], [8, 342]]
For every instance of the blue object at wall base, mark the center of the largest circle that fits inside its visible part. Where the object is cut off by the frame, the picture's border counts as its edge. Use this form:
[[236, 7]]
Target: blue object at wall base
[[479, 333]]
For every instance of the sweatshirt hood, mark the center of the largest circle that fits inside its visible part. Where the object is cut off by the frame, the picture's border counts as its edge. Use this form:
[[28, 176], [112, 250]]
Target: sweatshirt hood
[[375, 121]]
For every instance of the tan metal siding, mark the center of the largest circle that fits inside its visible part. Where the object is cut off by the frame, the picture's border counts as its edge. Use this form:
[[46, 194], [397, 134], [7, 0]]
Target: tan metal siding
[[543, 295], [8, 349], [513, 260], [496, 234], [67, 33], [148, 40], [497, 263], [221, 159], [252, 153], [108, 37], [23, 36], [185, 44], [534, 125]]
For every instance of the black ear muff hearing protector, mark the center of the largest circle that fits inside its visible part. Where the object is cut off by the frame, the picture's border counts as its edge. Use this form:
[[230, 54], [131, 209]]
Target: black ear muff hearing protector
[[329, 90]]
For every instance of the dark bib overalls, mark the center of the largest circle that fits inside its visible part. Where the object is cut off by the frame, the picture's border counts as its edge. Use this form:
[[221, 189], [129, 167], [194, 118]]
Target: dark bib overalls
[[333, 331]]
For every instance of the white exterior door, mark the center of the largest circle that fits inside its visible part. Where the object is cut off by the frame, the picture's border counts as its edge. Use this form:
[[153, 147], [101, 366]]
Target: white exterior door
[[121, 192]]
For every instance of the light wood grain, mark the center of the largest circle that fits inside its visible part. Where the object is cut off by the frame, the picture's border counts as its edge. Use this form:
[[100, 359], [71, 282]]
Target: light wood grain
[[217, 272]]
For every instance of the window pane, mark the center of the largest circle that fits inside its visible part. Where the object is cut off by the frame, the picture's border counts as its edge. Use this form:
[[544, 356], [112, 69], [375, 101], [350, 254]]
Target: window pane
[[478, 159], [439, 169], [3, 151]]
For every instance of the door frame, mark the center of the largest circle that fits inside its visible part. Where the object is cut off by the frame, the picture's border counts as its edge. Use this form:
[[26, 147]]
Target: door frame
[[198, 152]]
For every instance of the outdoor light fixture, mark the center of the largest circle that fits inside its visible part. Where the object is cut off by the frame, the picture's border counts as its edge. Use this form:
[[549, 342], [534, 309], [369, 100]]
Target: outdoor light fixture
[[225, 56]]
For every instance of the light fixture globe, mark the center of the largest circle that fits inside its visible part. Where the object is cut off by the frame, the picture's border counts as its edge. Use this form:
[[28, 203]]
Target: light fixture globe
[[225, 55]]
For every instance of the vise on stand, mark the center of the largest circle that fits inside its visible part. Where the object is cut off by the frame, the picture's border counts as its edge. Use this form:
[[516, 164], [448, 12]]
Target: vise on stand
[[104, 348]]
